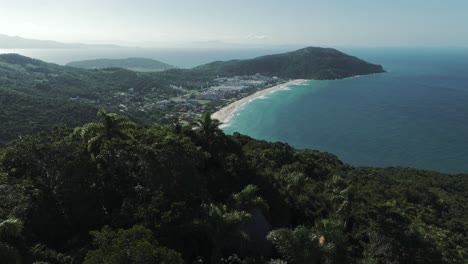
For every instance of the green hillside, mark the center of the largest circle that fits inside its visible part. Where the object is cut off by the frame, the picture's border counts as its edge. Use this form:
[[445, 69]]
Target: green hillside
[[134, 64], [116, 192], [37, 95]]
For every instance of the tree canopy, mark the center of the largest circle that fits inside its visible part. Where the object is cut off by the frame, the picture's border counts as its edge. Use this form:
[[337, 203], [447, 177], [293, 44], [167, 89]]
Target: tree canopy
[[112, 191]]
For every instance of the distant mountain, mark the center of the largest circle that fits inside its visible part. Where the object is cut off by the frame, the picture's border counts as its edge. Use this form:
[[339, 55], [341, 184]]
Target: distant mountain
[[15, 42], [307, 63], [134, 64]]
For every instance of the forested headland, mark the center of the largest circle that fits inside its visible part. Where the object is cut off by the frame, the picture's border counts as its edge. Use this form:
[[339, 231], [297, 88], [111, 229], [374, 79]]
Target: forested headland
[[113, 191]]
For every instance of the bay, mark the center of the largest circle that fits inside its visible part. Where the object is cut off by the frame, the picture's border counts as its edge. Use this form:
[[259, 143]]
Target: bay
[[415, 115]]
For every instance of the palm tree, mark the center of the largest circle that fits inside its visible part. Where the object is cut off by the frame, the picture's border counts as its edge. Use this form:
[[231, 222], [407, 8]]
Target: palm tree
[[223, 224], [111, 126], [300, 245], [177, 126], [342, 193], [208, 127], [10, 236]]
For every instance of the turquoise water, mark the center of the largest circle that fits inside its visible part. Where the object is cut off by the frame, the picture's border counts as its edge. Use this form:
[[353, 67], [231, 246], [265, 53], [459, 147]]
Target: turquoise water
[[415, 115]]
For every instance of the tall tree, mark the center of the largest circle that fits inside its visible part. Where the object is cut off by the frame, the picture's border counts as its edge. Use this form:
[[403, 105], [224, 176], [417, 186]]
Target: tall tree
[[298, 246], [208, 127], [223, 224], [111, 126], [10, 240], [131, 246]]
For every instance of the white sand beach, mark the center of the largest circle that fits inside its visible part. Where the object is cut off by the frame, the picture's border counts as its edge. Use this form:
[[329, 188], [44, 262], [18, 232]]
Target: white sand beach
[[226, 113]]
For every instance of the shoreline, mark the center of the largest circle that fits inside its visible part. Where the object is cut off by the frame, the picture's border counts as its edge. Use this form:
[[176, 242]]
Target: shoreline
[[227, 112]]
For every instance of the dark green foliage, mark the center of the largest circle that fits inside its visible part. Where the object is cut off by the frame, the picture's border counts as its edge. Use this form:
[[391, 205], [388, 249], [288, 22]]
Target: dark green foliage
[[155, 191], [133, 246], [11, 241], [300, 246], [208, 127], [42, 253], [22, 113]]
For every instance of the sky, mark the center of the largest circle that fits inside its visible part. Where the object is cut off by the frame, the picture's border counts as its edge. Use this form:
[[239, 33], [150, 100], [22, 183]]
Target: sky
[[352, 23]]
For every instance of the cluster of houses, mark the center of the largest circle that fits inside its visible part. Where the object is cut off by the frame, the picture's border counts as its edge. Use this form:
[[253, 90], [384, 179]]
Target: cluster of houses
[[187, 105], [231, 87]]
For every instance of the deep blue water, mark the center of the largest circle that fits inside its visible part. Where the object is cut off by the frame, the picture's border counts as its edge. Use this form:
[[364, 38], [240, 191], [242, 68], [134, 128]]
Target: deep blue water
[[414, 115]]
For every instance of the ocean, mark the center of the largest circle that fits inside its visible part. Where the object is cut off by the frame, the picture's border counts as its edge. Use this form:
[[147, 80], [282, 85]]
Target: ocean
[[415, 115]]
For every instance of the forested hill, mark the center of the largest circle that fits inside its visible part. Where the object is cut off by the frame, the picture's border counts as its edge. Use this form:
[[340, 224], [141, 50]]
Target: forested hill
[[113, 192], [135, 64], [35, 95], [307, 63]]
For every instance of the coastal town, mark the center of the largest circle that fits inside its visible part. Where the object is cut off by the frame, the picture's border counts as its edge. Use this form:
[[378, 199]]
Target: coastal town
[[186, 104]]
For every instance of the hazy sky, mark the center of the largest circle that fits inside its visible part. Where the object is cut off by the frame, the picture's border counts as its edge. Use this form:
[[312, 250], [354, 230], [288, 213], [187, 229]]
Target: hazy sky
[[249, 22]]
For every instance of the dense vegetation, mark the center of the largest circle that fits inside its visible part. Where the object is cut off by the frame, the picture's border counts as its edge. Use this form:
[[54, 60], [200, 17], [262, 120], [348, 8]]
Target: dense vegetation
[[35, 95], [135, 64], [307, 63], [115, 192]]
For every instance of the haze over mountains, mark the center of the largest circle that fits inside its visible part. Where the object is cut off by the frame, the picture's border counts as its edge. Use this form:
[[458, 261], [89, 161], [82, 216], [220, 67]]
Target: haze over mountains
[[16, 42]]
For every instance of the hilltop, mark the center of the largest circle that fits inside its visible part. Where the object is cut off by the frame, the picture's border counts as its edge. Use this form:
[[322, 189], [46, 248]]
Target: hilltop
[[134, 64], [307, 63]]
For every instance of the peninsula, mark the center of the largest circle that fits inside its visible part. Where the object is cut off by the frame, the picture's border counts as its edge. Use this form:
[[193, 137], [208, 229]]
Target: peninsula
[[307, 63]]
